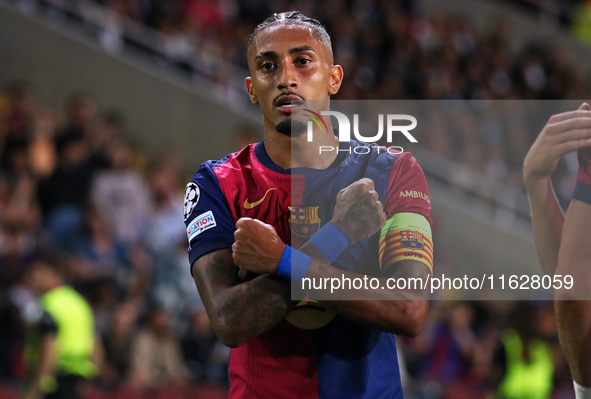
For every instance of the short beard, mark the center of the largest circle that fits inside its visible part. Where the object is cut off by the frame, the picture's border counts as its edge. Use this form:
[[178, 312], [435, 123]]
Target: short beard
[[291, 128]]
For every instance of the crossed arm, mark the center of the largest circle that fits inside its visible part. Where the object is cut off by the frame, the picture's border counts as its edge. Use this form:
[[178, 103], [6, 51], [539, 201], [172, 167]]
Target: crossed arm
[[241, 310], [398, 312]]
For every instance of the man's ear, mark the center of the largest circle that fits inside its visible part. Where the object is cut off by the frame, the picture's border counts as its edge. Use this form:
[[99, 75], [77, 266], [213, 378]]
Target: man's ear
[[250, 90], [336, 78]]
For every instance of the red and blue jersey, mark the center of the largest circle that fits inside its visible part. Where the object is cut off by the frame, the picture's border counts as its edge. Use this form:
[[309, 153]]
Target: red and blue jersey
[[312, 352], [583, 188]]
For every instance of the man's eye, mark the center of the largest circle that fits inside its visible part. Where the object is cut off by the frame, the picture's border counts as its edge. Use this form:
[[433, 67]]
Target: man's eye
[[267, 65], [304, 61]]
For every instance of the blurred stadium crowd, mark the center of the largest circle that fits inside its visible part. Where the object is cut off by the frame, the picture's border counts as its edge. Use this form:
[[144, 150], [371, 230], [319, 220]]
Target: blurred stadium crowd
[[77, 185], [388, 50]]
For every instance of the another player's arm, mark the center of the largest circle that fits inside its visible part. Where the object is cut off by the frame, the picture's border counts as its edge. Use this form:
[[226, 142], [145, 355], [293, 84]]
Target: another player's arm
[[562, 134], [237, 310], [573, 317], [573, 313]]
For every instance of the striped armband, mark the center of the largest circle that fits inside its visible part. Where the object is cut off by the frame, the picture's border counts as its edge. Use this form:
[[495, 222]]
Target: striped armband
[[406, 236]]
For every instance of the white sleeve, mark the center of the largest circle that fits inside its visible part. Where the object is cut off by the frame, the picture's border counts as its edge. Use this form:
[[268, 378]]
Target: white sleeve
[[582, 392]]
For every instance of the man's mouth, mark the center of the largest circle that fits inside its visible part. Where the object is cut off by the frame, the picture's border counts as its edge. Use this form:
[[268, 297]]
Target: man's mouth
[[288, 103]]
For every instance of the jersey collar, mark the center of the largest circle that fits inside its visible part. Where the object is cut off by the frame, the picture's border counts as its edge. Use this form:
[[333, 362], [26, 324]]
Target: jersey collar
[[261, 154]]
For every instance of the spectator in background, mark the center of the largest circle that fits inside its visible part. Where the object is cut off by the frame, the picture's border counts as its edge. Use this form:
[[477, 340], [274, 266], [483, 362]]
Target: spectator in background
[[47, 179], [454, 345], [529, 359], [391, 51], [20, 227], [453, 357], [165, 230], [204, 16], [197, 345], [172, 287], [582, 23], [206, 359], [64, 194], [17, 124], [99, 268], [117, 342], [16, 304], [109, 129], [81, 111], [106, 270], [156, 359], [120, 194], [60, 348], [101, 256], [42, 153]]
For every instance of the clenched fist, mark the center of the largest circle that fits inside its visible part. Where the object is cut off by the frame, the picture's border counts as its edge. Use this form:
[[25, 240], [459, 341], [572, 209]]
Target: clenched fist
[[257, 247], [358, 211]]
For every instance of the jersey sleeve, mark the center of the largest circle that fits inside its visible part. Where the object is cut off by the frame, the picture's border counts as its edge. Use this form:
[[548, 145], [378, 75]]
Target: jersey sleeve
[[208, 219], [583, 188], [407, 233]]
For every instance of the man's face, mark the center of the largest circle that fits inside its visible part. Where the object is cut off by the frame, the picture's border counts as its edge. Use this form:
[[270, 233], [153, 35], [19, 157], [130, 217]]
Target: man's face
[[288, 66], [37, 278]]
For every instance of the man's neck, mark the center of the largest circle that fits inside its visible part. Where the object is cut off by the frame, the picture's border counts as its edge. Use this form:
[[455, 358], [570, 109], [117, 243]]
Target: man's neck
[[294, 152]]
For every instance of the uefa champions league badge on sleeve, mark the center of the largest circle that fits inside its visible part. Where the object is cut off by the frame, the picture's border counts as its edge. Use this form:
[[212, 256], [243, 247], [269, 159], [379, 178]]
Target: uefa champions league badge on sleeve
[[191, 198]]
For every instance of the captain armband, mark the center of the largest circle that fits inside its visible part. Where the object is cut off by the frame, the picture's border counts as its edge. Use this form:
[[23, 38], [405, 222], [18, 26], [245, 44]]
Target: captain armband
[[406, 236]]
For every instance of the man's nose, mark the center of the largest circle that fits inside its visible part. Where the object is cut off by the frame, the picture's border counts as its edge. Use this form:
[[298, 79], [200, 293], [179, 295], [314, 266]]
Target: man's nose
[[288, 78]]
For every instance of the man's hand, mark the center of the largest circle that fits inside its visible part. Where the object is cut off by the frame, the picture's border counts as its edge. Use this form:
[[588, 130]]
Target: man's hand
[[257, 247], [562, 134], [358, 211]]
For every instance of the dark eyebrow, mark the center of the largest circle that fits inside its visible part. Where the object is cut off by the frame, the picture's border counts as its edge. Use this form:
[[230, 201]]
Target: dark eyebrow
[[300, 49], [266, 54], [273, 54]]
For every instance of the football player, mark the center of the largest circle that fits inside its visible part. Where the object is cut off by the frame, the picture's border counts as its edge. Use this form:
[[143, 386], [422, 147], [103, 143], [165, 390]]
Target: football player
[[278, 212]]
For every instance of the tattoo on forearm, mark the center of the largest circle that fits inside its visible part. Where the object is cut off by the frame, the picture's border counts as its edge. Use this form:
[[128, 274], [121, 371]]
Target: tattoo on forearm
[[408, 269], [246, 307]]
